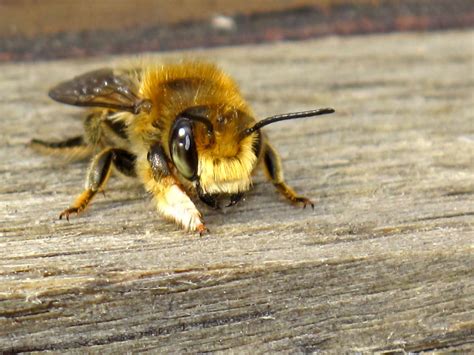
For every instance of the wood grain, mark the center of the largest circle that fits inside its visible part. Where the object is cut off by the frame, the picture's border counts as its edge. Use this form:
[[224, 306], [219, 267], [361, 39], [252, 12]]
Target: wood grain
[[383, 263]]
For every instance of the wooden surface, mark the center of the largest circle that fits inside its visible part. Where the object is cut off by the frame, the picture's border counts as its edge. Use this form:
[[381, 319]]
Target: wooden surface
[[383, 263], [32, 30]]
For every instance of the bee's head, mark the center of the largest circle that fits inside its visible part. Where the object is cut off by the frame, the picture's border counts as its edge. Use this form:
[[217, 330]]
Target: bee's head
[[217, 149], [207, 149]]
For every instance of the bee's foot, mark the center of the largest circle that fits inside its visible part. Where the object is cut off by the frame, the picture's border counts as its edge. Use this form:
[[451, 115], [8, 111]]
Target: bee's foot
[[236, 198], [67, 212], [304, 201], [202, 229]]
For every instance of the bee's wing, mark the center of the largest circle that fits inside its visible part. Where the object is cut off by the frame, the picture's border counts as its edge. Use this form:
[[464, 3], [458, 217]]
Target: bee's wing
[[101, 88]]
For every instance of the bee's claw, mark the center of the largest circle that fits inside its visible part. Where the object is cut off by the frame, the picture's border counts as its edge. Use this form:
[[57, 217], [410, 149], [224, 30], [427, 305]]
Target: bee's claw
[[67, 212], [305, 201], [202, 229], [235, 198]]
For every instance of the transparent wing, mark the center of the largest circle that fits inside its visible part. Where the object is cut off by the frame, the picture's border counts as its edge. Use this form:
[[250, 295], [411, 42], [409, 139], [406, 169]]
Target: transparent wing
[[101, 88]]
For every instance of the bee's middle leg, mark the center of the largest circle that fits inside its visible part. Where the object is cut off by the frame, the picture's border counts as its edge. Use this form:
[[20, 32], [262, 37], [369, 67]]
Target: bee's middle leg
[[274, 171], [98, 174]]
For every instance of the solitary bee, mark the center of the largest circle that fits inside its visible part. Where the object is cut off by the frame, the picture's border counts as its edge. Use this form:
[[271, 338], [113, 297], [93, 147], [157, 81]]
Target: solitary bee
[[182, 129]]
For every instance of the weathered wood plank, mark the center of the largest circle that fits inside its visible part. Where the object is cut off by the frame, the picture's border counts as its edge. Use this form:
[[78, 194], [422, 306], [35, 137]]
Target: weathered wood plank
[[384, 262]]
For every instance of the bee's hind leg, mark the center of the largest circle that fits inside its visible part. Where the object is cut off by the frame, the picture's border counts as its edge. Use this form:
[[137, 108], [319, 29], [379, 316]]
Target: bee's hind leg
[[274, 171], [98, 174], [70, 149]]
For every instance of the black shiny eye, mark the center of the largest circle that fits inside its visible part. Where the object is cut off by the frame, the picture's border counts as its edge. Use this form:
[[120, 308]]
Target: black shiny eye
[[183, 148]]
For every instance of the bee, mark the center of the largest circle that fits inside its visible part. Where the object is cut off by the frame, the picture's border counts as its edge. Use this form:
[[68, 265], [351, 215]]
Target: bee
[[183, 129]]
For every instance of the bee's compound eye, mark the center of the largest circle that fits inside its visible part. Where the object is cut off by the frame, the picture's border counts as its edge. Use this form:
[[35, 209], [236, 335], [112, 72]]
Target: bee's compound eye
[[183, 148]]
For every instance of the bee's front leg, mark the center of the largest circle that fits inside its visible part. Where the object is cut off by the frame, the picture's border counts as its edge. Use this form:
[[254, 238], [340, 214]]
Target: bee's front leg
[[171, 200], [273, 169]]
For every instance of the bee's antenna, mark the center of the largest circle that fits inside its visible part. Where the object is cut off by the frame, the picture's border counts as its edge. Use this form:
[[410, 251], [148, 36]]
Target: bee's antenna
[[285, 116], [203, 120], [199, 114]]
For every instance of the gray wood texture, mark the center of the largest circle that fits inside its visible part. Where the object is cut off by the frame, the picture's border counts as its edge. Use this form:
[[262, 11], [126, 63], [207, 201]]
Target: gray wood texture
[[383, 263]]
